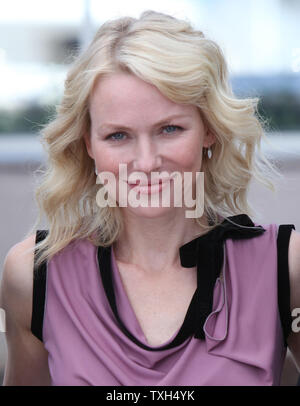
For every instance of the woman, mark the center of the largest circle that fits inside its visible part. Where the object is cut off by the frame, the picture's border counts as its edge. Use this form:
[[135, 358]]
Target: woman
[[146, 295]]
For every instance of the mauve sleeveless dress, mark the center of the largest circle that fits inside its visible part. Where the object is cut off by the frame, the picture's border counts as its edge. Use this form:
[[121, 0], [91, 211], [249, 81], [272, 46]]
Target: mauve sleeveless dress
[[243, 345]]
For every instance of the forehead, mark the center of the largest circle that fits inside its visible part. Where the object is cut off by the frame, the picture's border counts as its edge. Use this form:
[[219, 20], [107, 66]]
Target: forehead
[[120, 94]]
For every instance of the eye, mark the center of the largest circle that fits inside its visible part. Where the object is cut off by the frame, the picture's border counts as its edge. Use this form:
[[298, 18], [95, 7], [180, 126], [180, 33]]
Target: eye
[[118, 136], [172, 128]]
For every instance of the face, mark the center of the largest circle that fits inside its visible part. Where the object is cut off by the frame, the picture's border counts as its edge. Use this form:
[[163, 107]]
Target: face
[[132, 123]]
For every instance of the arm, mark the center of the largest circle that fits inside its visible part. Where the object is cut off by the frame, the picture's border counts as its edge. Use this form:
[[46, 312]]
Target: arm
[[27, 362], [293, 340]]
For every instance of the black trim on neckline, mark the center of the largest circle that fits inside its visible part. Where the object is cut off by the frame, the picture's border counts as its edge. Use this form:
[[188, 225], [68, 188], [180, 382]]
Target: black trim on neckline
[[208, 247], [104, 260]]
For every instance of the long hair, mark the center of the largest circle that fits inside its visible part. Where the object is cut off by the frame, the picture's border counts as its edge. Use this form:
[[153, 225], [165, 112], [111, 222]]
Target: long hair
[[186, 67]]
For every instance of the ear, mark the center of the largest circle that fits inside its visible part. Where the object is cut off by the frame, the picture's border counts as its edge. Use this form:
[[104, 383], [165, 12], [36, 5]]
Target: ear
[[87, 141], [209, 139]]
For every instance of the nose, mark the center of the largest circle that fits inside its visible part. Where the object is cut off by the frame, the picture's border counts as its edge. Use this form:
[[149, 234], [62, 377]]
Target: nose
[[146, 156]]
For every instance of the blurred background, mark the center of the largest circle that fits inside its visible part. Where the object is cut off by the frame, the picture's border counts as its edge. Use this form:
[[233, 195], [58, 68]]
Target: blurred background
[[260, 40]]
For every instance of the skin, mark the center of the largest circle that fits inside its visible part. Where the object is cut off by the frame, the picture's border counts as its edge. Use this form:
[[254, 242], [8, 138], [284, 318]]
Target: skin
[[147, 147]]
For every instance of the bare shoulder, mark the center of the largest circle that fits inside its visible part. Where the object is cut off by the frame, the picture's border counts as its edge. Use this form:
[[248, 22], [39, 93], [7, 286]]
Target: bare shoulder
[[17, 280], [27, 362]]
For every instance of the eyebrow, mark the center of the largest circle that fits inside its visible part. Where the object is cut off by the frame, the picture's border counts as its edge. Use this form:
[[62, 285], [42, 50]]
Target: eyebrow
[[110, 126]]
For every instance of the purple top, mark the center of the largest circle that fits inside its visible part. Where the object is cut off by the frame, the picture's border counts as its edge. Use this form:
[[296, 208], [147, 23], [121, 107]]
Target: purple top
[[243, 343]]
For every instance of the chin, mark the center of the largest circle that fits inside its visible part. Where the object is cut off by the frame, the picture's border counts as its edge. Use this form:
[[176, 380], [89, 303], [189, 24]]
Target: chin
[[150, 212]]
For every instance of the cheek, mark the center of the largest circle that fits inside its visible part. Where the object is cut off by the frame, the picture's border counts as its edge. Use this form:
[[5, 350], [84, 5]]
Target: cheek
[[107, 159], [188, 154]]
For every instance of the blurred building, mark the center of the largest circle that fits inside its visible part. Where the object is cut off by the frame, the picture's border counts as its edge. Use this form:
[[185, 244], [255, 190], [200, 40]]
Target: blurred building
[[258, 36], [260, 40], [41, 44]]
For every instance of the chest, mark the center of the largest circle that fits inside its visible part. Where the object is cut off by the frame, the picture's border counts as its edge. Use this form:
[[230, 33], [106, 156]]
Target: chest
[[160, 302]]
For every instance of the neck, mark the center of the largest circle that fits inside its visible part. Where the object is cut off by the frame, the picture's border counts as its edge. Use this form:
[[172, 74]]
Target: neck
[[153, 244]]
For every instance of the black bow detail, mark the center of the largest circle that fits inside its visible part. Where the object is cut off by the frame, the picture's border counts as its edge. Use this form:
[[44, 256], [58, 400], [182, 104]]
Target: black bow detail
[[206, 252]]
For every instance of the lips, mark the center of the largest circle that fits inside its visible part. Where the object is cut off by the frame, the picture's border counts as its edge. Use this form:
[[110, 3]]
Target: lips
[[138, 183]]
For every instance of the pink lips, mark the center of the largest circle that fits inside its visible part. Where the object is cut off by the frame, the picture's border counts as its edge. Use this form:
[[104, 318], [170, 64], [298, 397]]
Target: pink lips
[[144, 184], [149, 188]]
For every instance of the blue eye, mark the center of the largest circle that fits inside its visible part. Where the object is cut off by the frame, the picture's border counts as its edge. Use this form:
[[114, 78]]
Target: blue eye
[[116, 136], [171, 128]]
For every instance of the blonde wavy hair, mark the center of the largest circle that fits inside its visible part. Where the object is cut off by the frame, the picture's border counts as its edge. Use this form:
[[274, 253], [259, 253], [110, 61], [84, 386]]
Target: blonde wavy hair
[[187, 68]]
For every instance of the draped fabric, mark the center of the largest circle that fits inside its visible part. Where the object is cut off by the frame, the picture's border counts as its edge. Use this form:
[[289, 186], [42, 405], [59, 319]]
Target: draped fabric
[[207, 253], [231, 334]]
